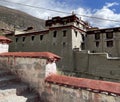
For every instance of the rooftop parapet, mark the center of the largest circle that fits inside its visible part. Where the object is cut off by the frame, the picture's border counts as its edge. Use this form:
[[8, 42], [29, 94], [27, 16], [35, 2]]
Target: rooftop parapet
[[64, 20]]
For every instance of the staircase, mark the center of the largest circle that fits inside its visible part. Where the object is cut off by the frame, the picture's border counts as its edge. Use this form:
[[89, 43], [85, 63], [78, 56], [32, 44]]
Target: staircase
[[13, 90]]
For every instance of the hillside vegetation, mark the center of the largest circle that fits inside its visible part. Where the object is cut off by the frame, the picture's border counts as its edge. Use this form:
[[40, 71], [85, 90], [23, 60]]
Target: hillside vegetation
[[10, 18]]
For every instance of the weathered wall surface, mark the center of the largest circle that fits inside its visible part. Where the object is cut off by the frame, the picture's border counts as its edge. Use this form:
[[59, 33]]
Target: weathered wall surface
[[29, 70], [59, 44], [102, 46], [32, 71], [58, 93], [98, 65], [71, 89]]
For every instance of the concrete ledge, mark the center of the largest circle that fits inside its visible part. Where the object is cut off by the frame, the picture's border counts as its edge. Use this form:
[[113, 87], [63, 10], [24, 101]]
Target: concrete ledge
[[100, 86], [106, 54]]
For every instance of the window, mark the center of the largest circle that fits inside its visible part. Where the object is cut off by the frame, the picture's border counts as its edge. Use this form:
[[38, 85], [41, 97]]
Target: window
[[64, 33], [76, 33], [109, 43], [83, 38], [54, 34], [97, 36], [109, 35], [97, 43], [23, 39], [33, 37], [41, 37], [64, 44], [77, 23], [16, 39], [82, 46]]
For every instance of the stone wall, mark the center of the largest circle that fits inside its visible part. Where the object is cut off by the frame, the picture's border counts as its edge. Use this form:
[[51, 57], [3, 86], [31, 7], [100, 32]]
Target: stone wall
[[29, 70], [97, 65], [71, 89], [57, 89], [59, 44]]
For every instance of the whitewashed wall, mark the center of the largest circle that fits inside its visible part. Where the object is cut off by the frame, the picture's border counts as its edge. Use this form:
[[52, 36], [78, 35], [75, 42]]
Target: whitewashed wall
[[4, 47]]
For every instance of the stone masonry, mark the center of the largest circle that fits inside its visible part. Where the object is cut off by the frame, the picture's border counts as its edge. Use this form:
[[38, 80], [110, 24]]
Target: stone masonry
[[31, 70], [13, 90]]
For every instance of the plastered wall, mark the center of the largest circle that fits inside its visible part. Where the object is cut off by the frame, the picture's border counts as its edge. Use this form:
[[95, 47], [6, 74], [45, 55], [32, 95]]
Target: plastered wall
[[29, 70], [32, 71], [58, 93], [98, 65]]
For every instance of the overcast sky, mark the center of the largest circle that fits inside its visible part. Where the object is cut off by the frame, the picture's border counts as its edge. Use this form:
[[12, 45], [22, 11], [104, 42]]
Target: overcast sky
[[106, 9]]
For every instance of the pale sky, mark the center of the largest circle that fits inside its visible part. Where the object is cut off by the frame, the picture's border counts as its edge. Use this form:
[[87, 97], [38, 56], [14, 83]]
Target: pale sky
[[106, 9]]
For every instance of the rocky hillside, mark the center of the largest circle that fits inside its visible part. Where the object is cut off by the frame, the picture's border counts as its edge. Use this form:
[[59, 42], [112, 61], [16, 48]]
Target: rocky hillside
[[10, 18]]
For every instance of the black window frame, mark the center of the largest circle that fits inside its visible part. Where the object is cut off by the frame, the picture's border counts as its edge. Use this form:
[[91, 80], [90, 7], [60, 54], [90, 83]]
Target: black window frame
[[97, 36], [109, 43], [32, 37], [64, 33], [41, 37], [109, 35], [23, 38], [16, 39], [55, 34], [97, 43], [76, 33]]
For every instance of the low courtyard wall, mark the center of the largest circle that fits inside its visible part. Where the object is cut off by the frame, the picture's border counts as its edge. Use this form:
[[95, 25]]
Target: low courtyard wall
[[59, 88], [97, 66]]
